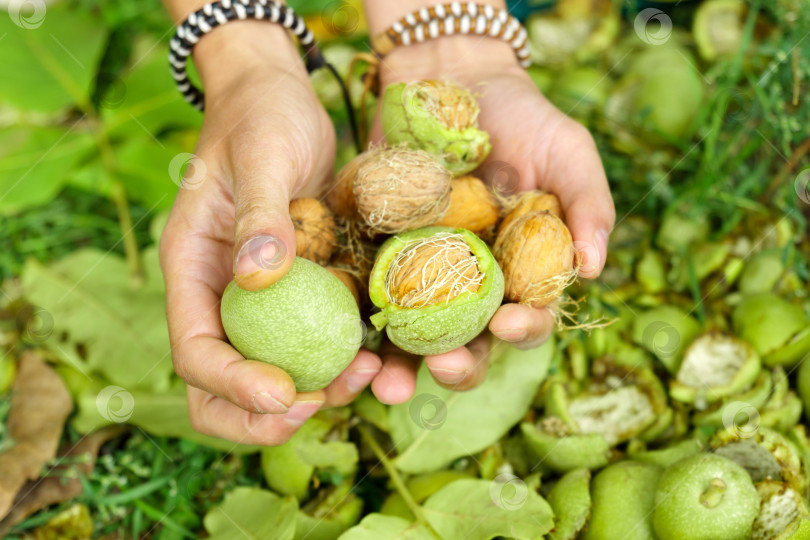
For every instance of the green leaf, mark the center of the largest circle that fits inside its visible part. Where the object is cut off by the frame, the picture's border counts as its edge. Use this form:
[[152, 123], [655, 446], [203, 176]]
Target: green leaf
[[477, 509], [370, 409], [99, 318], [51, 66], [35, 163], [284, 471], [252, 513], [428, 440], [161, 414], [151, 101], [315, 528], [92, 177], [380, 527], [331, 512], [289, 467], [144, 168]]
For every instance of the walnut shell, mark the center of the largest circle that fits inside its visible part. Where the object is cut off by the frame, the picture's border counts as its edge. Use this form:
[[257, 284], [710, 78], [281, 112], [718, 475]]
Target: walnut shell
[[347, 280], [536, 253], [533, 201], [472, 206], [398, 189], [340, 196], [315, 236], [433, 271]]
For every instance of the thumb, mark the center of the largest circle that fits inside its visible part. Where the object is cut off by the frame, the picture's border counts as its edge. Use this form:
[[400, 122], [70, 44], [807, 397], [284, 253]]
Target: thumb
[[264, 244]]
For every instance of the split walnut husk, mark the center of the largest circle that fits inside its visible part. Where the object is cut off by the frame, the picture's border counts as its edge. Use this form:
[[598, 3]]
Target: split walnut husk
[[715, 366], [438, 117], [436, 288]]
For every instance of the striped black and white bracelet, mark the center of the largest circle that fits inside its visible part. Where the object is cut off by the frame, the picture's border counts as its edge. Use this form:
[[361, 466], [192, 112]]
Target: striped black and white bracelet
[[215, 14], [462, 18]]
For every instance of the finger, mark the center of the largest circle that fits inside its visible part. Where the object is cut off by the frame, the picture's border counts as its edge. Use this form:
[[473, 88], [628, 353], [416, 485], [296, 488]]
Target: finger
[[463, 368], [365, 366], [579, 181], [212, 365], [264, 240], [522, 326], [214, 416], [396, 381], [200, 354]]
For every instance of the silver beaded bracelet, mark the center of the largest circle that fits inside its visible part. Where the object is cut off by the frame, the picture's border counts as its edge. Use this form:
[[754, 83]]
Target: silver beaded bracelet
[[218, 13], [464, 18]]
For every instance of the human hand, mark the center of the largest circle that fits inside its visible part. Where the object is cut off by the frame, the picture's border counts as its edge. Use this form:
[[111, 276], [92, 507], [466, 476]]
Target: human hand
[[265, 140], [540, 147]]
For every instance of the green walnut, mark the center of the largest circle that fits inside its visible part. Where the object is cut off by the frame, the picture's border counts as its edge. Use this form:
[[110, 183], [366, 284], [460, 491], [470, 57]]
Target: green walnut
[[307, 323], [718, 28], [436, 287], [440, 118], [570, 499], [623, 502], [705, 496], [776, 328]]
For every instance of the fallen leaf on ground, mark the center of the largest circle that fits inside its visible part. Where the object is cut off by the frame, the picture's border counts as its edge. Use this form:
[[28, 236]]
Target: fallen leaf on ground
[[55, 489], [40, 404]]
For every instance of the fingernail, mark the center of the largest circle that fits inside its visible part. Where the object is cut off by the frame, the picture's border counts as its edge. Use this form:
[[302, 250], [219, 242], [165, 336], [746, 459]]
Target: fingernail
[[264, 403], [449, 376], [513, 334], [359, 379], [602, 236], [301, 411], [262, 252]]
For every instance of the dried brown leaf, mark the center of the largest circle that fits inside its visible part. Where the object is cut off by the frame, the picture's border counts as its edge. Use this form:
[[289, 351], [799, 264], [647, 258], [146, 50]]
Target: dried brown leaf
[[44, 492], [40, 404]]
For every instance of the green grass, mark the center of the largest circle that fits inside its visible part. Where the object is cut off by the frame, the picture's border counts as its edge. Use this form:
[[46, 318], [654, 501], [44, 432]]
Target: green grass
[[75, 219], [152, 487], [155, 487]]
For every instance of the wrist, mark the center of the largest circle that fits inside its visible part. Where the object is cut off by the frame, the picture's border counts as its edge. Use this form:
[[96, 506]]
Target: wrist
[[468, 59], [234, 51]]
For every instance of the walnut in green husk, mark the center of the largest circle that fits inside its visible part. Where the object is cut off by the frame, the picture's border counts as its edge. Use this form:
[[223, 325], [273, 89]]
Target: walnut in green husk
[[438, 117]]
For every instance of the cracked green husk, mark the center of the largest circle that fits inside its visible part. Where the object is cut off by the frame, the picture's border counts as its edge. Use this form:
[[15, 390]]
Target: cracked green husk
[[436, 328], [407, 117]]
